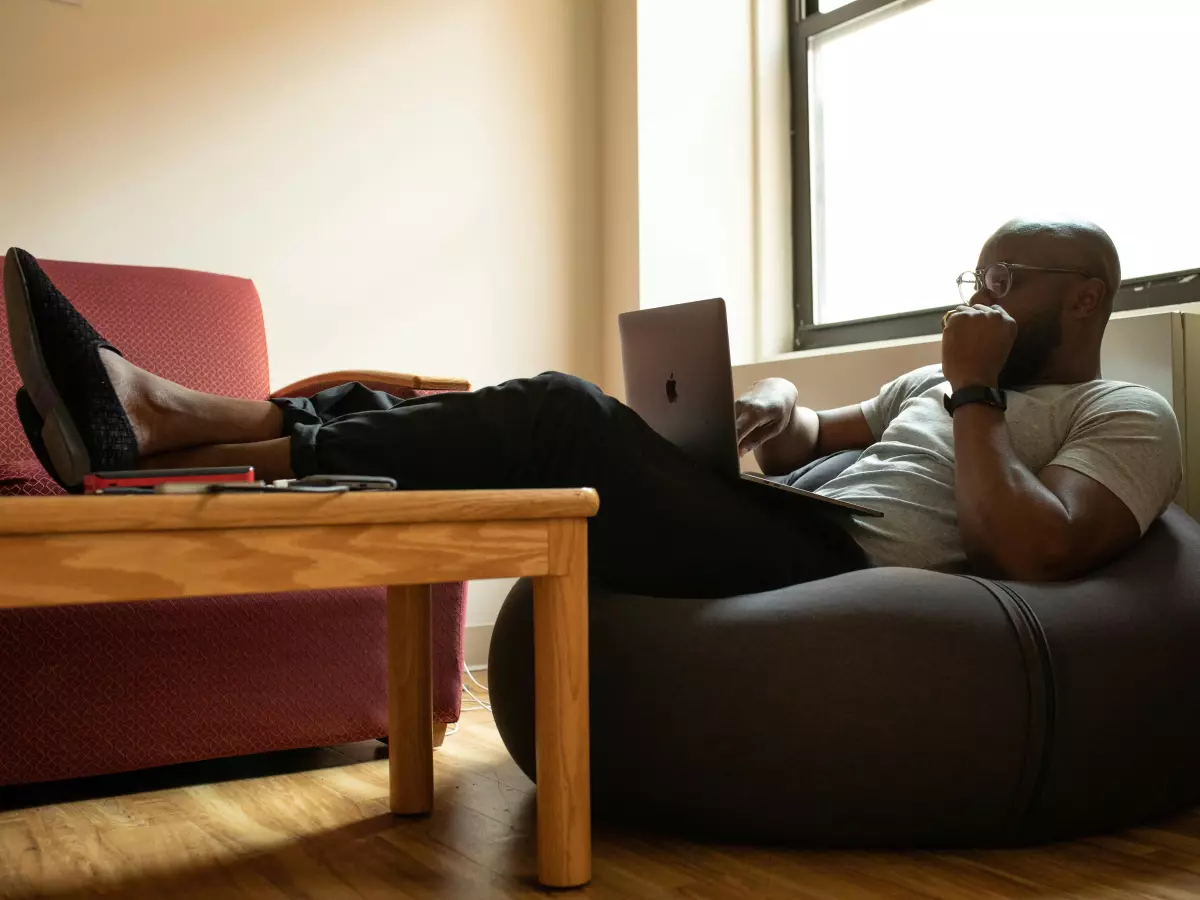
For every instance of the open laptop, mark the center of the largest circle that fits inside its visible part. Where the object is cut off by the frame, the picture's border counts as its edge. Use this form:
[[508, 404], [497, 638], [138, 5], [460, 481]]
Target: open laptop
[[678, 378]]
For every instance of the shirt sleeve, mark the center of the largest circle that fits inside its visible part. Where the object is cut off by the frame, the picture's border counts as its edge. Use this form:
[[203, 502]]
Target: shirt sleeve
[[1128, 440], [880, 410]]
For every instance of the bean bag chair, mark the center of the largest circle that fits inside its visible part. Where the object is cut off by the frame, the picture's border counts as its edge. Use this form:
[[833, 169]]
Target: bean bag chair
[[890, 707]]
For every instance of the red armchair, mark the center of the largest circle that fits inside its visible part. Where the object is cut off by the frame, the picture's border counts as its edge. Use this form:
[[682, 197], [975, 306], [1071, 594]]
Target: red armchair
[[87, 690]]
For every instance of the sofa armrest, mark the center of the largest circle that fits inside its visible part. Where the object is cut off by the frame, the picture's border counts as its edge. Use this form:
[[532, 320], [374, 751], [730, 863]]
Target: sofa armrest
[[377, 381]]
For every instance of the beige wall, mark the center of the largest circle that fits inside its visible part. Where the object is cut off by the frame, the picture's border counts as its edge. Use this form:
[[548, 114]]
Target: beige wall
[[620, 227], [696, 158], [714, 180], [411, 184]]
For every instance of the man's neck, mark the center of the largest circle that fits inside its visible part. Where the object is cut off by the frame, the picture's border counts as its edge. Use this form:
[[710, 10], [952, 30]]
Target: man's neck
[[1066, 371]]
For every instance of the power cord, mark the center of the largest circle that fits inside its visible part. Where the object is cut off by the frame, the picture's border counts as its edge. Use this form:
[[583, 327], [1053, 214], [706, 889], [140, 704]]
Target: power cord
[[479, 703], [482, 687]]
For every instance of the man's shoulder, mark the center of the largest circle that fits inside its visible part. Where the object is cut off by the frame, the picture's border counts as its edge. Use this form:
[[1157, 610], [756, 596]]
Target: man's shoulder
[[920, 380], [1119, 394], [1121, 399]]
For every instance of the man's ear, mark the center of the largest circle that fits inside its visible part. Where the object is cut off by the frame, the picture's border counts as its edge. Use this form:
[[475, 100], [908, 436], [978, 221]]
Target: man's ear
[[1088, 299]]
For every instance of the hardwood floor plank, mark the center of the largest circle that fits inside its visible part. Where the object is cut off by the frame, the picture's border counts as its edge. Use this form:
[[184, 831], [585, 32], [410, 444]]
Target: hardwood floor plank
[[269, 828]]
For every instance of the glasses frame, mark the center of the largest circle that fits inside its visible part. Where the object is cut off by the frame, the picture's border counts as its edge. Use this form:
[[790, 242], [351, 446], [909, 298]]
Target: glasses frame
[[976, 277]]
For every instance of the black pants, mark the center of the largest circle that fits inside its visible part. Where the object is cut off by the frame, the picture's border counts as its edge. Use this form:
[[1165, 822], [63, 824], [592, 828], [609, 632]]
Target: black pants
[[666, 526]]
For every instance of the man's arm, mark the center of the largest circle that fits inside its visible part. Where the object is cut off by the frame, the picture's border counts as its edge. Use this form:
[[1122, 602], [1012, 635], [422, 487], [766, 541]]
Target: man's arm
[[810, 435], [785, 435], [1018, 526], [1117, 471]]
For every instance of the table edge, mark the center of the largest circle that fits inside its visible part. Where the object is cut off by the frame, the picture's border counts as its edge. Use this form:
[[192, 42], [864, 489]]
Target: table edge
[[72, 514]]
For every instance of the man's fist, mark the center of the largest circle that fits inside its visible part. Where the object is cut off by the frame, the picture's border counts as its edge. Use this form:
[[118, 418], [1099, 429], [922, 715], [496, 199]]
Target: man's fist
[[976, 342], [763, 412]]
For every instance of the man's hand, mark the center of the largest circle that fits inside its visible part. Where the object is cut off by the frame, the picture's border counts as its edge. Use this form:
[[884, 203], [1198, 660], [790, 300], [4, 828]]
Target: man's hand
[[764, 412], [976, 341]]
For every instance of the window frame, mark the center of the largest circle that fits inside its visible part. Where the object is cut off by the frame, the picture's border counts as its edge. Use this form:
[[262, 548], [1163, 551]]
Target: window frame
[[806, 21]]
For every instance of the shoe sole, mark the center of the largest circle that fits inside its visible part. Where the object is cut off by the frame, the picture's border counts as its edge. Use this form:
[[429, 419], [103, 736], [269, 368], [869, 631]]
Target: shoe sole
[[62, 440], [31, 422]]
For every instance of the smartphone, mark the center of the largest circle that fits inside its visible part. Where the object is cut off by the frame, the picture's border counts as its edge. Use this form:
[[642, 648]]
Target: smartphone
[[237, 487], [109, 482], [350, 482]]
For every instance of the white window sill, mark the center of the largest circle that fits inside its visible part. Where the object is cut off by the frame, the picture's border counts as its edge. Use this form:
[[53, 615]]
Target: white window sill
[[870, 346]]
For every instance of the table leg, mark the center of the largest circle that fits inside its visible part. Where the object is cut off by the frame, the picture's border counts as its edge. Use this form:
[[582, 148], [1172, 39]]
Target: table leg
[[560, 635], [410, 699]]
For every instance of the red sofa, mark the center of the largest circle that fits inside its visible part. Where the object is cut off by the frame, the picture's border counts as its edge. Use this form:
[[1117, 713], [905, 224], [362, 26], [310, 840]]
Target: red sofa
[[87, 690]]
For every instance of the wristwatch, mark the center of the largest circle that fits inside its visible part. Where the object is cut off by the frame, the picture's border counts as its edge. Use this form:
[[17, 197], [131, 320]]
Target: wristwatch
[[976, 394]]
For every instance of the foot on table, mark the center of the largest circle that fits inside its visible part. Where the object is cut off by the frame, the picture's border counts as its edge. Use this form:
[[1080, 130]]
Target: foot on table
[[80, 402]]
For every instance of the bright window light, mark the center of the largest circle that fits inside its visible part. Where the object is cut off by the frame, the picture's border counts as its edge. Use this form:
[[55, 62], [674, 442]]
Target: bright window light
[[934, 122]]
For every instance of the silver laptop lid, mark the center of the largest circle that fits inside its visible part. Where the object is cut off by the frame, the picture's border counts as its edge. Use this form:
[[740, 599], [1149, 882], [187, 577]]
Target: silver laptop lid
[[679, 380]]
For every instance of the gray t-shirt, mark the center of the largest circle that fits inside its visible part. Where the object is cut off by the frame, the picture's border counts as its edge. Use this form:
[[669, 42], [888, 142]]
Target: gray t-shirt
[[1124, 436]]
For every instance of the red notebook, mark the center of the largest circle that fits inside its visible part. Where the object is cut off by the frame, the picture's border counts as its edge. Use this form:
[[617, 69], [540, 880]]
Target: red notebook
[[104, 481]]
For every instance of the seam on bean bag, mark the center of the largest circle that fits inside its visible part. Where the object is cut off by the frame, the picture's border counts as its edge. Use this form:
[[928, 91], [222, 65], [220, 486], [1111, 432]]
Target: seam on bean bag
[[1039, 668]]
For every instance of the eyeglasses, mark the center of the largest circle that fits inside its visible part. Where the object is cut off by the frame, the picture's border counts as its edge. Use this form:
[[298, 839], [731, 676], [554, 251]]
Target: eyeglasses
[[997, 279]]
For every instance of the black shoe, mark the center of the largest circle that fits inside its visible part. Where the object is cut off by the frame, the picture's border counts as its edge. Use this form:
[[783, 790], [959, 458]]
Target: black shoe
[[84, 427], [31, 421]]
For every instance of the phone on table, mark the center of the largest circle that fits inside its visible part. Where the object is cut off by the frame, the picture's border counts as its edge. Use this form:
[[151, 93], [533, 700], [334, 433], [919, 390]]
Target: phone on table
[[350, 482], [310, 484], [230, 479]]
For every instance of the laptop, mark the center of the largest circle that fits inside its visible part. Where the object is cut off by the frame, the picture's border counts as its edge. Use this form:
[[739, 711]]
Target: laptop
[[678, 378]]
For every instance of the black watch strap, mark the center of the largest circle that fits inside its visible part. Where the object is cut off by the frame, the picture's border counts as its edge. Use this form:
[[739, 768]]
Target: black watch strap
[[976, 394]]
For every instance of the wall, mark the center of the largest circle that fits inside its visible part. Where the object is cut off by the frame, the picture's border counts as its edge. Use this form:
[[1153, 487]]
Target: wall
[[714, 163], [695, 157], [618, 178], [412, 185]]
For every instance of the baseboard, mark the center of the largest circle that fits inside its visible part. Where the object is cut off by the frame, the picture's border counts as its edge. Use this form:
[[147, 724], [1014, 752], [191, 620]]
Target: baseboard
[[478, 638]]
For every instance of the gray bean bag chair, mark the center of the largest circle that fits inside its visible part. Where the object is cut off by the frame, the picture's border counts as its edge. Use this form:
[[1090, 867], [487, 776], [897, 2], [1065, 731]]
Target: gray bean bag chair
[[890, 707]]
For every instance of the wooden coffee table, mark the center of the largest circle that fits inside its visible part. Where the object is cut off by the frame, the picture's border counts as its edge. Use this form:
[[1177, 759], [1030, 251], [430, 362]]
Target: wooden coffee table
[[68, 550]]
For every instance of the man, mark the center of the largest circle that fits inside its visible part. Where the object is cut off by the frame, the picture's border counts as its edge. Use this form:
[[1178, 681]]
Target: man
[[1067, 477]]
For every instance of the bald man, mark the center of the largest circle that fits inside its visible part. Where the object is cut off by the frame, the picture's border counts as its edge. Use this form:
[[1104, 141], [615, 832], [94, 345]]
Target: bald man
[[1011, 458]]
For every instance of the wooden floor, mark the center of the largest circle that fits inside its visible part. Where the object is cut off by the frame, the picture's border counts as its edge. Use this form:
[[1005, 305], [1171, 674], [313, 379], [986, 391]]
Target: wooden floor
[[315, 824]]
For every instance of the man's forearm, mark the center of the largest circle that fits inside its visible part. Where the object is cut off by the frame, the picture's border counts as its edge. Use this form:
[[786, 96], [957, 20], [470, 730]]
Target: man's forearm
[[1012, 525], [793, 447]]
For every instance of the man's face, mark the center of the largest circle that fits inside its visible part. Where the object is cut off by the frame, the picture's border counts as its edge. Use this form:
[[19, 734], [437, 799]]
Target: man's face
[[1034, 300]]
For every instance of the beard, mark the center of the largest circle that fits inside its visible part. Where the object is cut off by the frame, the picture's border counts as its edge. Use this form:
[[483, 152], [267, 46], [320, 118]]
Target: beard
[[1036, 342]]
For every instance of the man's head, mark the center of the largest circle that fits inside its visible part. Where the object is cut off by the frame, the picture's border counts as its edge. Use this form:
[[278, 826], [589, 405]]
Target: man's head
[[1060, 315]]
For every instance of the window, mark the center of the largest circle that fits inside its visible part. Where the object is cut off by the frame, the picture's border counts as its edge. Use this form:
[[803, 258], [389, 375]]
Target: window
[[921, 125]]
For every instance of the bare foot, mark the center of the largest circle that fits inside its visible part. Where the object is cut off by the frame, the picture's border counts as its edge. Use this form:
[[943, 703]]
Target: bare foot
[[130, 389], [167, 417]]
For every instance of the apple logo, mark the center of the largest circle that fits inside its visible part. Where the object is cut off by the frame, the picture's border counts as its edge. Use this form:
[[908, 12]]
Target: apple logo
[[672, 394]]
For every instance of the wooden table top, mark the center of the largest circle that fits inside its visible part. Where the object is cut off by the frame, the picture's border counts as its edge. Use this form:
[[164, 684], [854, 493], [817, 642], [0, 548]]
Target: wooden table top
[[74, 514]]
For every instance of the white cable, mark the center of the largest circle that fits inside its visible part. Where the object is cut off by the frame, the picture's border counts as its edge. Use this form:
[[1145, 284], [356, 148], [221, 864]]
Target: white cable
[[482, 687], [480, 704], [476, 704], [467, 691]]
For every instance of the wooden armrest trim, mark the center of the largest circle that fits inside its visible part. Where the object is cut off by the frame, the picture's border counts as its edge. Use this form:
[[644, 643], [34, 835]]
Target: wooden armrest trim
[[375, 380]]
